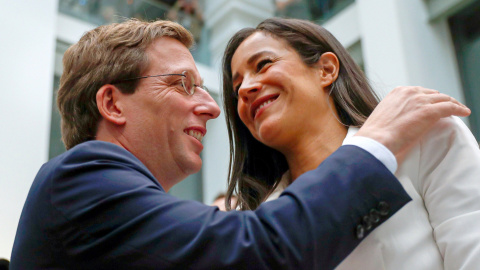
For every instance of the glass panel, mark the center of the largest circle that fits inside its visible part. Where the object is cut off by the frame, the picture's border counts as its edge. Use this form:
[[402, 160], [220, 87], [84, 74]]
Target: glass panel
[[442, 9], [320, 10], [299, 9], [56, 146], [188, 13], [190, 189], [465, 28], [355, 51], [108, 11]]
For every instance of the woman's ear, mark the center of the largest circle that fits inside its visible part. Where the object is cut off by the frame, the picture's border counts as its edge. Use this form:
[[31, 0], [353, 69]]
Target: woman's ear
[[329, 68], [109, 104]]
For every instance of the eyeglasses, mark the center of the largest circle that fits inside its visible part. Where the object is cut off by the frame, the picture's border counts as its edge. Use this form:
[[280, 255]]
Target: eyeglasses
[[188, 82]]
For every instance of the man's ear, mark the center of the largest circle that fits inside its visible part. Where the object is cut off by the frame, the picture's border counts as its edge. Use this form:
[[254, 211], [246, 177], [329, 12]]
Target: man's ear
[[109, 105], [329, 68]]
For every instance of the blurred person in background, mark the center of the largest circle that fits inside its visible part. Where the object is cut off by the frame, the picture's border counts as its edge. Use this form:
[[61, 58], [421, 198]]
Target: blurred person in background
[[220, 202], [189, 14], [4, 264]]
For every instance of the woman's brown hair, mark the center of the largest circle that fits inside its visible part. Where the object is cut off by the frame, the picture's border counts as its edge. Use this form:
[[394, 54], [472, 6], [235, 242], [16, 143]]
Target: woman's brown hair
[[255, 168]]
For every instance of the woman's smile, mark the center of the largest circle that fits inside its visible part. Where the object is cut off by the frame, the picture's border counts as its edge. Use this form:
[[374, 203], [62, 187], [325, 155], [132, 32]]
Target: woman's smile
[[261, 104]]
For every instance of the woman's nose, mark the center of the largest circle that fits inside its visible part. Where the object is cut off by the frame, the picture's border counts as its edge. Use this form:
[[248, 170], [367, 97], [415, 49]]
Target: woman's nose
[[248, 89]]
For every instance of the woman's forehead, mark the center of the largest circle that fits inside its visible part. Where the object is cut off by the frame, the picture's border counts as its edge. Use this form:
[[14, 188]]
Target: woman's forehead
[[260, 40], [257, 43]]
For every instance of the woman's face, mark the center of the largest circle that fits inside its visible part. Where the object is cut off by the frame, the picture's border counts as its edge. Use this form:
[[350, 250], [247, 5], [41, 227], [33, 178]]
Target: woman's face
[[279, 96]]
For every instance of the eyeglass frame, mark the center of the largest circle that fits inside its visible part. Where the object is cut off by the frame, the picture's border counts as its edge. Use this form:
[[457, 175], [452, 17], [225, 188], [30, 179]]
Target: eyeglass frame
[[192, 89]]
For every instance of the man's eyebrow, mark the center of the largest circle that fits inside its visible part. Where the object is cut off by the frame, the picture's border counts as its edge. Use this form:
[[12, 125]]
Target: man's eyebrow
[[252, 59]]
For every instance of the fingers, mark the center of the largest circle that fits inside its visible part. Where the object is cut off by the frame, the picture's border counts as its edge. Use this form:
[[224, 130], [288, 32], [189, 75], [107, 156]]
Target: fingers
[[439, 97], [414, 90], [436, 103], [447, 105], [449, 108], [426, 91]]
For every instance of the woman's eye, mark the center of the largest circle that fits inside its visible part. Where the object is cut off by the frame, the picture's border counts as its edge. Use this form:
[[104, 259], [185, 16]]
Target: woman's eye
[[262, 64], [236, 88]]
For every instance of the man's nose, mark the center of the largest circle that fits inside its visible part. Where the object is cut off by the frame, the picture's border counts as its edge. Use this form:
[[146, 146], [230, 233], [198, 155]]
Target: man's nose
[[206, 105]]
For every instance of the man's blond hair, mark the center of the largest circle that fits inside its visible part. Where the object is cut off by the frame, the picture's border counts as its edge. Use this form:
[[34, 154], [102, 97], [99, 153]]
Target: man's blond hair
[[106, 54]]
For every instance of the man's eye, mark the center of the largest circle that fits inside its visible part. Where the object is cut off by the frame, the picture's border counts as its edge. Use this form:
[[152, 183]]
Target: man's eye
[[177, 83], [263, 63]]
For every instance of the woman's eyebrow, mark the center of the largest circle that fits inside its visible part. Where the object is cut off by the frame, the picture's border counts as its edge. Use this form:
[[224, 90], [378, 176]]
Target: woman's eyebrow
[[255, 56], [252, 59]]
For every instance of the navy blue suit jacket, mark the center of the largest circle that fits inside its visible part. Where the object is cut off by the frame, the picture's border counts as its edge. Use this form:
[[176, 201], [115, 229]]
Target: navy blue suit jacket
[[98, 207]]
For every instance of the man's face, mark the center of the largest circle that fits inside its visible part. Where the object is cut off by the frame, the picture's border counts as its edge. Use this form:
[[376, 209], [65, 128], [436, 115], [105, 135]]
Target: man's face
[[165, 125]]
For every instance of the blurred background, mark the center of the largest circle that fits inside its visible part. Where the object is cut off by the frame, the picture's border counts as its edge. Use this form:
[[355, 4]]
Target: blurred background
[[432, 43]]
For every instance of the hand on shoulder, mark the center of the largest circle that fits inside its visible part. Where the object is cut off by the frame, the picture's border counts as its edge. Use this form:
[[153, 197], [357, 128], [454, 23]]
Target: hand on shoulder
[[406, 114]]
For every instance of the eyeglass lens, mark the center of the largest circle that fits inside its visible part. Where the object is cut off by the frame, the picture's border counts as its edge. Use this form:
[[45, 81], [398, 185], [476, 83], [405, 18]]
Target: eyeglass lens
[[188, 83]]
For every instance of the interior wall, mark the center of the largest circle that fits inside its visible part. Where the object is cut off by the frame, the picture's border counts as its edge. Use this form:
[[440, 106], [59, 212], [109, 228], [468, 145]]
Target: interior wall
[[27, 35]]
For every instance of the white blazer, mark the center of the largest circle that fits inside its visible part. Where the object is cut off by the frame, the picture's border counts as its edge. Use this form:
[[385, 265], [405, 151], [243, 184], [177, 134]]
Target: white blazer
[[440, 227]]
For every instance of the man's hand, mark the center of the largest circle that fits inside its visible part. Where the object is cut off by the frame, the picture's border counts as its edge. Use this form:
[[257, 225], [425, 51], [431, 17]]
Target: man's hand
[[407, 113]]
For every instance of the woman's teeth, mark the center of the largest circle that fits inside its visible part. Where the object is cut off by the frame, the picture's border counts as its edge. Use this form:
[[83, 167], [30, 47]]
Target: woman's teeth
[[262, 105]]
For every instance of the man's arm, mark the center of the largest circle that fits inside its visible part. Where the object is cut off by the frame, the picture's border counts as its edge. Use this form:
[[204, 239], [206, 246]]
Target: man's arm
[[120, 212]]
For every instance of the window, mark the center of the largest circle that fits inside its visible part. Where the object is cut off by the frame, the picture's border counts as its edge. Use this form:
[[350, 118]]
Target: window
[[355, 50], [465, 29], [320, 10], [187, 13], [190, 189], [56, 146]]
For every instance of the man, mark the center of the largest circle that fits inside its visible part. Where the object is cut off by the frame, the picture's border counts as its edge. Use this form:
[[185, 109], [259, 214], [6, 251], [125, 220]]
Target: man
[[133, 117]]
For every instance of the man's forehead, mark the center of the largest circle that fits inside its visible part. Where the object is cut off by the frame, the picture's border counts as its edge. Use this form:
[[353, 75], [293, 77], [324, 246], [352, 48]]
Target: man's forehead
[[168, 55], [168, 47]]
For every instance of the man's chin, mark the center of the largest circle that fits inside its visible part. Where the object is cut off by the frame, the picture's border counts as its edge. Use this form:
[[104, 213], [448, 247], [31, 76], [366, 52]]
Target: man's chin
[[194, 166]]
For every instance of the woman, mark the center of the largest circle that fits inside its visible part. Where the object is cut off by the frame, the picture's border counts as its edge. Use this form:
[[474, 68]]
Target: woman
[[292, 94]]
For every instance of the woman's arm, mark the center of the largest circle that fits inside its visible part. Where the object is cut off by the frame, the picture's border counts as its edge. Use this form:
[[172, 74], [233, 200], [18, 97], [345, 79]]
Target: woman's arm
[[450, 171]]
